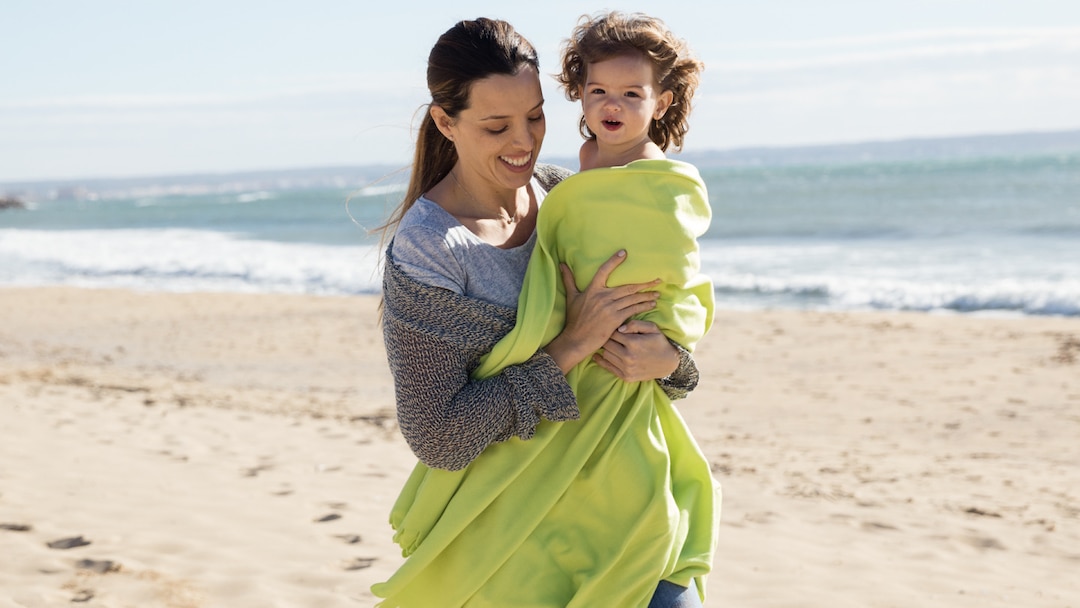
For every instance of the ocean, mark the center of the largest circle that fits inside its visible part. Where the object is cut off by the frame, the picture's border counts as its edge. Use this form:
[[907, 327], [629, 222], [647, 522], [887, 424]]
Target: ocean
[[980, 235]]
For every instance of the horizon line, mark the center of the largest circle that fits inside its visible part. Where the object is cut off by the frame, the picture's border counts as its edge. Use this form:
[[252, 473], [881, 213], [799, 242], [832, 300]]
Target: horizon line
[[404, 165]]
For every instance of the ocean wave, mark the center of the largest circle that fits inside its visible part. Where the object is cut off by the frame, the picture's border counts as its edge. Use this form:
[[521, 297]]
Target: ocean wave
[[251, 197], [1001, 275], [382, 189], [183, 260], [1034, 297]]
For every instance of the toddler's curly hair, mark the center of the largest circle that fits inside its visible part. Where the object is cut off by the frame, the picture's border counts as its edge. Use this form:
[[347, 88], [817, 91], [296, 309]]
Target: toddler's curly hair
[[614, 34]]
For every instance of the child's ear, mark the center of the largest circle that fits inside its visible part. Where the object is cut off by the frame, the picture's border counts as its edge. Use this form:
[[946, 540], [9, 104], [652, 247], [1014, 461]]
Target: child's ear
[[443, 122], [663, 103]]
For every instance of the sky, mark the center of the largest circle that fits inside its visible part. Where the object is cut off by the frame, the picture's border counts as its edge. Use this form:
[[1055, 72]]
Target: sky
[[115, 88]]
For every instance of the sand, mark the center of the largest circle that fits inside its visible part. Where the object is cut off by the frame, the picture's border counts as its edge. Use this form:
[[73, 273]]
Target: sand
[[198, 450]]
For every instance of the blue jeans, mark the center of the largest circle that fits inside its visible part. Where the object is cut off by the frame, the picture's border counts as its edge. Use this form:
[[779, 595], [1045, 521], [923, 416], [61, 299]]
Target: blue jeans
[[670, 595]]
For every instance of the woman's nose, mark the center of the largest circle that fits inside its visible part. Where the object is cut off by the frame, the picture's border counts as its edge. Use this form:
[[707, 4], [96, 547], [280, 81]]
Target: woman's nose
[[524, 138]]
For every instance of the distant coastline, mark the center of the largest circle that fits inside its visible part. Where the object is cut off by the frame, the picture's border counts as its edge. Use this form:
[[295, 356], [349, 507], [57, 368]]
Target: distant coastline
[[350, 177], [11, 202], [928, 148]]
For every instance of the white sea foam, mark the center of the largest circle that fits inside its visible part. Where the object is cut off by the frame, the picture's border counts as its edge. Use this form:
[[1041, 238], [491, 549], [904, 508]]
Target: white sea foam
[[182, 260], [920, 275], [381, 189], [823, 276], [251, 197]]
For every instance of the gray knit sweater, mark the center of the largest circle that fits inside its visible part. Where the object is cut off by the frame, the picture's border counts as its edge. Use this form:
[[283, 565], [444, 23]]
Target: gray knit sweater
[[434, 338]]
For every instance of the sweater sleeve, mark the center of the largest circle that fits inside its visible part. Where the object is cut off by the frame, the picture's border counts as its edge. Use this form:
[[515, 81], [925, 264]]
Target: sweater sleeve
[[685, 377], [434, 338]]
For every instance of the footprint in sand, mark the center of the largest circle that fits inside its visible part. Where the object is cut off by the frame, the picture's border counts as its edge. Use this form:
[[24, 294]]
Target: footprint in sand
[[68, 543], [874, 526], [351, 539], [16, 527], [326, 518], [255, 470], [980, 541], [359, 563], [83, 595], [100, 566]]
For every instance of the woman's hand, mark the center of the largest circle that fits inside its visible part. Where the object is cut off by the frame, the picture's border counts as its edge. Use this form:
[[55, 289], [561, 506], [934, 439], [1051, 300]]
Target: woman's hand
[[638, 351], [594, 314]]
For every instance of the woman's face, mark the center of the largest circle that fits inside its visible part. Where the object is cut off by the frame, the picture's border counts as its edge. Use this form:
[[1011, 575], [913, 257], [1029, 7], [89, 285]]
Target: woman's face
[[498, 137]]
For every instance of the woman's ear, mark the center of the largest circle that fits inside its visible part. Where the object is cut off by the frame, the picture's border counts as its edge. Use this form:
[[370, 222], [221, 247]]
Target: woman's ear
[[663, 103], [443, 122]]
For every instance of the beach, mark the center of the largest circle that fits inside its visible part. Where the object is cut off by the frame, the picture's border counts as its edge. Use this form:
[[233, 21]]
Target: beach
[[237, 450]]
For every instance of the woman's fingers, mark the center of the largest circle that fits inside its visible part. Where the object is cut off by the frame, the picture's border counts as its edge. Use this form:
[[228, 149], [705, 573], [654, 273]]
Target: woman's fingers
[[568, 279], [637, 326], [627, 300], [594, 313], [601, 277], [636, 303], [603, 273], [606, 364], [638, 355]]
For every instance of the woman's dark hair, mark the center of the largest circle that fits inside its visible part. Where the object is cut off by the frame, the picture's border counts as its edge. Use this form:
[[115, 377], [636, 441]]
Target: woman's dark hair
[[468, 52]]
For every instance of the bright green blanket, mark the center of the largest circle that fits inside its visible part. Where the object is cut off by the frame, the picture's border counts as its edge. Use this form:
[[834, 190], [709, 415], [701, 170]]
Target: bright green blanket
[[593, 512]]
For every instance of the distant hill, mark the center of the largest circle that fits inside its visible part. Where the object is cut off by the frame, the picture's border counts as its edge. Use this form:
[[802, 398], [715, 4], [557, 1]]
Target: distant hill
[[1001, 145], [978, 146]]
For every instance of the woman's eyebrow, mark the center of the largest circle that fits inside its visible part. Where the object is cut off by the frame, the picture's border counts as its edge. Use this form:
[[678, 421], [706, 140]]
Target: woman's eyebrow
[[503, 117]]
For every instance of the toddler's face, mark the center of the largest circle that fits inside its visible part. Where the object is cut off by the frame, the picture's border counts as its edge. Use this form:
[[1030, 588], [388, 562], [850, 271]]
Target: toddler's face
[[621, 98]]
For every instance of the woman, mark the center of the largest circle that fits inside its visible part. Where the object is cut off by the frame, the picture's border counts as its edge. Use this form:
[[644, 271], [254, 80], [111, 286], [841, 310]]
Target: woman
[[452, 278]]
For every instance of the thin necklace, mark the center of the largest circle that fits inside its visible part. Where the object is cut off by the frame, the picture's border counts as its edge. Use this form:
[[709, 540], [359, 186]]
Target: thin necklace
[[509, 219]]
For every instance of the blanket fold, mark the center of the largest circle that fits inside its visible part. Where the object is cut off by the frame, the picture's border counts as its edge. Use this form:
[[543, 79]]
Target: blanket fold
[[593, 512]]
